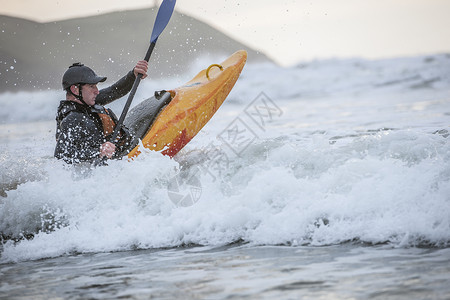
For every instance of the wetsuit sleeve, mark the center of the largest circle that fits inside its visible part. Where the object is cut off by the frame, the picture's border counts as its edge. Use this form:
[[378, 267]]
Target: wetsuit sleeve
[[117, 90], [77, 140]]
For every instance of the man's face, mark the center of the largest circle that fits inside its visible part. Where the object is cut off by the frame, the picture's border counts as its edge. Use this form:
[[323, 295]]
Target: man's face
[[89, 92]]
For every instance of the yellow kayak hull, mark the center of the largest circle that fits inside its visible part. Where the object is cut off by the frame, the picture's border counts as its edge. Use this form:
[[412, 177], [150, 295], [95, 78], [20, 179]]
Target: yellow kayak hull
[[192, 106]]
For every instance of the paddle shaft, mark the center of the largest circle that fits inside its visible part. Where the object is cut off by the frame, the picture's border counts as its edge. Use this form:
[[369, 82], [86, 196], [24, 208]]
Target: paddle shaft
[[131, 96], [162, 19]]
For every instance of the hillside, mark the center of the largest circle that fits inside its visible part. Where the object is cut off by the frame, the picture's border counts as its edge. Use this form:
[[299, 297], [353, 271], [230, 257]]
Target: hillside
[[35, 55]]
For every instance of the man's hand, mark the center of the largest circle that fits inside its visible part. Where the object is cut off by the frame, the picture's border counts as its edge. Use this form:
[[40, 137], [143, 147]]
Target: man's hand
[[107, 149], [141, 68]]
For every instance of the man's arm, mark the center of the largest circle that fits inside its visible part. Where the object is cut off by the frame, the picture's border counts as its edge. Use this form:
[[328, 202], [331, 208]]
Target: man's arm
[[123, 86], [117, 90]]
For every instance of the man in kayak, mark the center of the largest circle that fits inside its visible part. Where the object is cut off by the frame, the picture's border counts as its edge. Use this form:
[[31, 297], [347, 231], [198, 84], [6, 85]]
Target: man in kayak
[[83, 124]]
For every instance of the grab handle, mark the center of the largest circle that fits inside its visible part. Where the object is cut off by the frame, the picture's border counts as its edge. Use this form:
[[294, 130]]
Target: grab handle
[[211, 66]]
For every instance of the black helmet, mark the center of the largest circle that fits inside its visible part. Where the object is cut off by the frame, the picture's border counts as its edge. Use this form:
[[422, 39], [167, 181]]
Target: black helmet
[[80, 74]]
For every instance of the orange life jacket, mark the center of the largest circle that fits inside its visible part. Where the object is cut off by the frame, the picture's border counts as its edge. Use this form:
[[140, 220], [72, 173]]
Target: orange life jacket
[[108, 123]]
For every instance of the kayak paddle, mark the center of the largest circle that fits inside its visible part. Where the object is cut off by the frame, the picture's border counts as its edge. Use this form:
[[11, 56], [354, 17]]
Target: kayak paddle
[[162, 19]]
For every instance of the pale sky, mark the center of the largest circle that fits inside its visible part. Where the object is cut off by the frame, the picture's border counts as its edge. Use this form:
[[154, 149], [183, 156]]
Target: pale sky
[[290, 31]]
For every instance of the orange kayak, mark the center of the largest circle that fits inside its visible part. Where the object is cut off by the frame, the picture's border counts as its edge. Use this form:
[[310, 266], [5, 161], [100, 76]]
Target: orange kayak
[[192, 106]]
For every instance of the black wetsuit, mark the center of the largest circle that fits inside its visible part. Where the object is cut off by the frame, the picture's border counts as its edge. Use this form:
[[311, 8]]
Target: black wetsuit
[[79, 128]]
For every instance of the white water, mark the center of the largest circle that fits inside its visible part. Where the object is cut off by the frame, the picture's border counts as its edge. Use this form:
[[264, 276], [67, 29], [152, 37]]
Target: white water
[[354, 150]]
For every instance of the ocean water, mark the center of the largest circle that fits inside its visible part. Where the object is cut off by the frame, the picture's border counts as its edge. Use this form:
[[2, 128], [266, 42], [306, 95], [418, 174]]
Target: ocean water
[[325, 180]]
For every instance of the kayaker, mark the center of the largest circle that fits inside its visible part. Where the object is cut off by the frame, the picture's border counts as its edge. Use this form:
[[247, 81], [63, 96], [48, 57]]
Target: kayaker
[[83, 124]]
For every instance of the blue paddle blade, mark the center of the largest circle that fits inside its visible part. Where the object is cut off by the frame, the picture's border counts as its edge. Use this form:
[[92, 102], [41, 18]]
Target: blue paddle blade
[[162, 18]]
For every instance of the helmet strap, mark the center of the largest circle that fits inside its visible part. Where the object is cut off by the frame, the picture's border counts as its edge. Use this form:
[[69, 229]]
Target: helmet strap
[[80, 94]]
